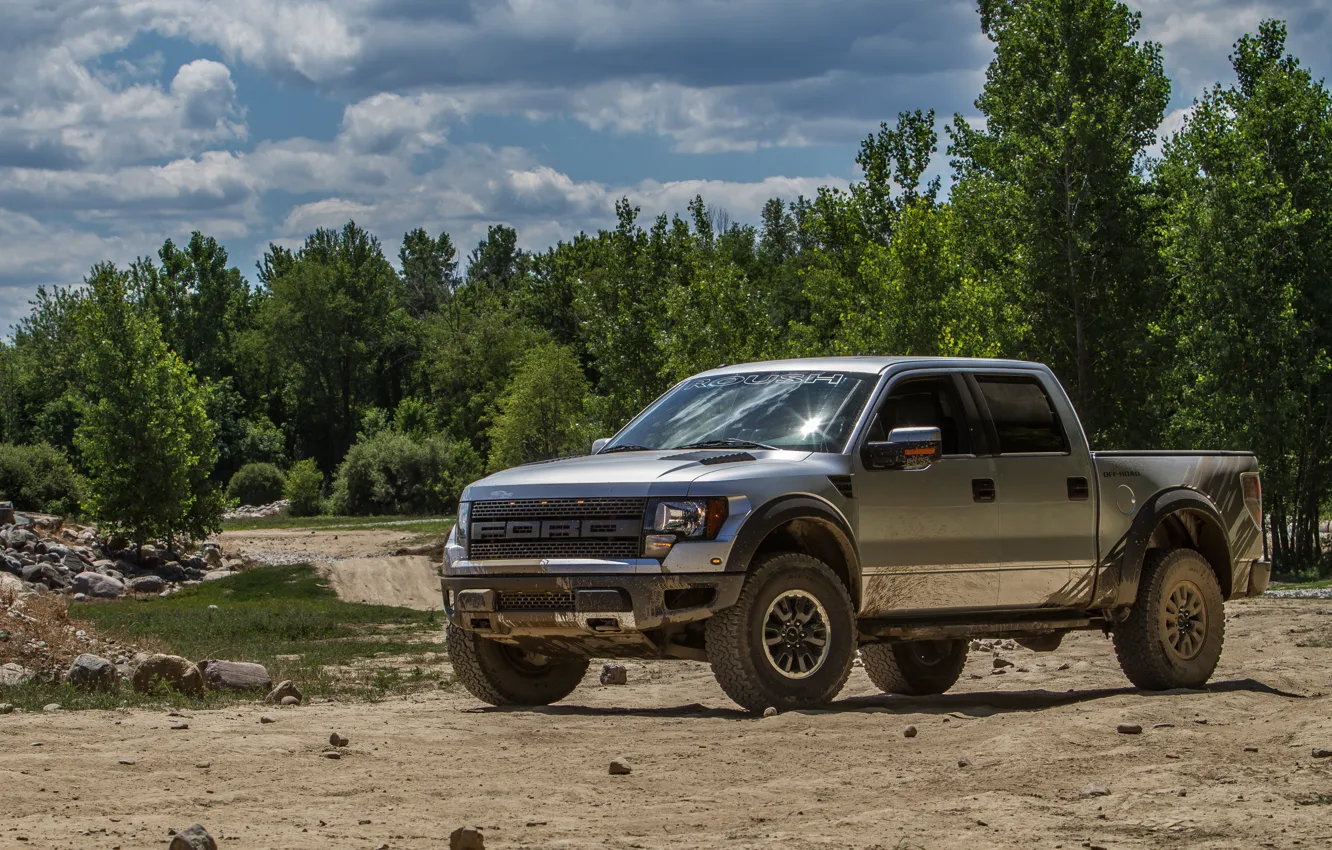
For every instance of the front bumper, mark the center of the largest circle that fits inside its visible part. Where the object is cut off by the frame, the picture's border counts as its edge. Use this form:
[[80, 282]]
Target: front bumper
[[586, 612]]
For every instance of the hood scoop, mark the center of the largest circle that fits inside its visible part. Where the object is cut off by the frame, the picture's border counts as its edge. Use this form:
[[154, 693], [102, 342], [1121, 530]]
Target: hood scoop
[[709, 459]]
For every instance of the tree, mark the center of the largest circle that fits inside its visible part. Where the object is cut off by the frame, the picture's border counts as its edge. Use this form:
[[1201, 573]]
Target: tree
[[541, 414], [144, 435], [1071, 101], [429, 271], [1247, 235]]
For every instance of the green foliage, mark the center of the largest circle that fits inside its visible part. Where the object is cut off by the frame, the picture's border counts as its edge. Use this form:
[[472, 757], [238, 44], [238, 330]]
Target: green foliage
[[256, 484], [304, 488], [392, 473], [38, 478], [541, 415], [144, 436]]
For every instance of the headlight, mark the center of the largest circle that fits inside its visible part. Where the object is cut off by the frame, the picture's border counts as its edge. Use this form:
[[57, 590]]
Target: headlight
[[464, 519], [693, 518]]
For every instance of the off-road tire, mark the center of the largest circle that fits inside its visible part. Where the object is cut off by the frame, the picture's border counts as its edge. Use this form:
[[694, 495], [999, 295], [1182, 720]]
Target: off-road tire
[[915, 668], [491, 671], [1143, 641], [735, 636]]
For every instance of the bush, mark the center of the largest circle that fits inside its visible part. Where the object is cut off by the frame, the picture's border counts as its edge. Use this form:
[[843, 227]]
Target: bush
[[256, 484], [542, 414], [38, 478], [305, 488], [392, 473]]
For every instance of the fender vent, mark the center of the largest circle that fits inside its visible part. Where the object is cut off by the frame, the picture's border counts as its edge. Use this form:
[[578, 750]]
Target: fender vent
[[843, 485]]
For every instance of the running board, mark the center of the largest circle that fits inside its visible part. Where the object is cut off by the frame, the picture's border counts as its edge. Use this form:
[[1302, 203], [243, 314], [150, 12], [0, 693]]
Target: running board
[[943, 631]]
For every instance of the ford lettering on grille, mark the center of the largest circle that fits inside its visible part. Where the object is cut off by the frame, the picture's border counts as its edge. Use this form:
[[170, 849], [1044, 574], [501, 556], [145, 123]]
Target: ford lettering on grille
[[602, 529]]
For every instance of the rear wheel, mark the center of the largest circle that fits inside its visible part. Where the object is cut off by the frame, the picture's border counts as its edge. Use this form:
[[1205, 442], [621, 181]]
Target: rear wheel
[[915, 668], [1173, 637], [788, 642], [503, 674]]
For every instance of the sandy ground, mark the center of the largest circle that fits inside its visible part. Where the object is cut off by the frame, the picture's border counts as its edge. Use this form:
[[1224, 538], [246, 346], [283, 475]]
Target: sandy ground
[[287, 546], [411, 581], [706, 775]]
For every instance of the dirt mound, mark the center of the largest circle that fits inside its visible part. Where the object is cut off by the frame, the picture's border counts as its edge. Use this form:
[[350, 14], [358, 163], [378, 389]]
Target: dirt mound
[[408, 581]]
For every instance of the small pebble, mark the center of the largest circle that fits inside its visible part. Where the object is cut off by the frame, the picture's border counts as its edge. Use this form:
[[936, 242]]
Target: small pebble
[[6, 708], [620, 767], [51, 706], [1129, 729], [336, 740], [204, 765], [1250, 749], [770, 711], [179, 726], [964, 762], [1320, 753], [127, 761], [290, 700], [1096, 789], [467, 838], [909, 732], [1163, 726], [331, 754]]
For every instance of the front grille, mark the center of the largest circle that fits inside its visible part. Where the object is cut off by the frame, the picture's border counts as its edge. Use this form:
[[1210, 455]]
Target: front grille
[[554, 600], [492, 550], [608, 508]]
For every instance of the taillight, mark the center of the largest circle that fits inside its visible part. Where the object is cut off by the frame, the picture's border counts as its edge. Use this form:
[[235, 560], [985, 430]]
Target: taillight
[[1253, 496]]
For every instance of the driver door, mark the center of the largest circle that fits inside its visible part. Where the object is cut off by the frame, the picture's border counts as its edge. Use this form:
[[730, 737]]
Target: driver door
[[929, 538]]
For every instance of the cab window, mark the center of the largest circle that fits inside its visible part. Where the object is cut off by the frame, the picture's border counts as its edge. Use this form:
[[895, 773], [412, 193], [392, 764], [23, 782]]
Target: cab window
[[1023, 415], [925, 402]]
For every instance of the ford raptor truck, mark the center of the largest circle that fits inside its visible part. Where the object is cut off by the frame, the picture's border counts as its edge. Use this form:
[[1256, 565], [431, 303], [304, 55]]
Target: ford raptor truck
[[775, 518]]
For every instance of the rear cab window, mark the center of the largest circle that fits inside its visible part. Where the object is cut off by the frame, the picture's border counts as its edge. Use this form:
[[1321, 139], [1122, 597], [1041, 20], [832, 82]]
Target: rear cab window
[[1023, 415]]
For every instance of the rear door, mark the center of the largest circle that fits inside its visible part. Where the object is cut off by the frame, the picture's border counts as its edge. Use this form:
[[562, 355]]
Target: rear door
[[929, 537], [1044, 490]]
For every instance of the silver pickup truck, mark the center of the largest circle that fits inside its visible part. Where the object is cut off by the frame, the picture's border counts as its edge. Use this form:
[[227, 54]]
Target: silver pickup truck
[[775, 518]]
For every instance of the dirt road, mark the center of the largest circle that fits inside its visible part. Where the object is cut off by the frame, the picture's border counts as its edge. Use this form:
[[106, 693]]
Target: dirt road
[[706, 775]]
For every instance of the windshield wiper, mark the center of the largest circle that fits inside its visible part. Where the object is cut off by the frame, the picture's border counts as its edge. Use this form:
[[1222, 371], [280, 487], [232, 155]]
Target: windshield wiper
[[624, 447], [728, 443]]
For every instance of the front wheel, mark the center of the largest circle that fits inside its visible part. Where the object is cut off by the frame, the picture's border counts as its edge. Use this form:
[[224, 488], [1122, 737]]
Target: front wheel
[[915, 668], [789, 640], [1173, 636], [502, 674]]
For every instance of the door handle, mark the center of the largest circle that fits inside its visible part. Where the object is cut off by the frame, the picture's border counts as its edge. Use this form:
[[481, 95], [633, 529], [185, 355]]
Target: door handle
[[1078, 489], [982, 489]]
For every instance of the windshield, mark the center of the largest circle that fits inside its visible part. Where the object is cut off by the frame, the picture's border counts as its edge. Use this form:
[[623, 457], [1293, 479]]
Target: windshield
[[806, 411]]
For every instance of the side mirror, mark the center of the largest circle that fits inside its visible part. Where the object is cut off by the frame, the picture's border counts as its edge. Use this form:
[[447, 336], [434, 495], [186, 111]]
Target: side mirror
[[905, 448], [598, 445]]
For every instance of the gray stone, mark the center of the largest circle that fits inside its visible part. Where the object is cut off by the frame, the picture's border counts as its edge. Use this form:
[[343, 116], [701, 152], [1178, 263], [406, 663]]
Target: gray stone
[[91, 673], [12, 674], [45, 574], [284, 689], [467, 838], [614, 674], [10, 563], [1321, 753], [1001, 662], [1095, 789], [175, 672], [235, 676], [964, 762], [1129, 729], [51, 707], [6, 708], [336, 740], [770, 711], [80, 597], [96, 584], [147, 584], [73, 563], [266, 719], [213, 558], [214, 575], [6, 513], [331, 754], [620, 767], [909, 732], [194, 837]]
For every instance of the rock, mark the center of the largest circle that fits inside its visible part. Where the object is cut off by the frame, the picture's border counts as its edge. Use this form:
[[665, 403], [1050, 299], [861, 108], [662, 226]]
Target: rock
[[1250, 749], [620, 767], [45, 574], [172, 670], [213, 558], [51, 707], [12, 674], [235, 676], [614, 674], [1320, 753], [80, 597], [204, 765], [266, 719], [1129, 729], [467, 838], [1095, 789], [909, 732], [6, 513], [331, 754], [128, 762], [1000, 662], [1063, 666], [964, 762], [770, 711], [73, 563], [179, 726], [290, 701], [97, 584], [11, 564], [6, 708], [214, 575], [284, 689], [91, 673], [147, 584], [336, 740], [194, 837]]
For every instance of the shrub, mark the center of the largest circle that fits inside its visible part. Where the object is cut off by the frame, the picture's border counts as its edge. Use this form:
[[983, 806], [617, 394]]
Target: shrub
[[305, 488], [38, 478], [541, 414], [256, 484], [392, 473]]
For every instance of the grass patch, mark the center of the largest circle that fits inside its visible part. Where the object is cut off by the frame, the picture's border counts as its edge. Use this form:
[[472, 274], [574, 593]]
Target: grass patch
[[284, 617], [1316, 584], [420, 524]]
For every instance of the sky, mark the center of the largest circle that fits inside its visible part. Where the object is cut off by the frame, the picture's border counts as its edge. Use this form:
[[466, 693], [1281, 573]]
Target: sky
[[125, 122]]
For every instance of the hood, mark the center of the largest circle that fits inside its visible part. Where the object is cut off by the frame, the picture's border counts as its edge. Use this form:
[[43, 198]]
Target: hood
[[628, 474]]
